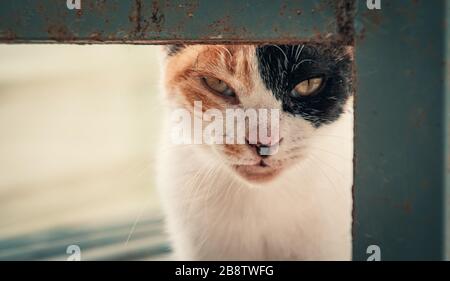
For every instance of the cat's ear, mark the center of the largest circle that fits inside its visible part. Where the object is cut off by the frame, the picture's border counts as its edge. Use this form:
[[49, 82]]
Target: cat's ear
[[172, 50]]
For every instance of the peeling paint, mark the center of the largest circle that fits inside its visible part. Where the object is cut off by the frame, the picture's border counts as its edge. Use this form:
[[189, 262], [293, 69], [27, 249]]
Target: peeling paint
[[156, 21]]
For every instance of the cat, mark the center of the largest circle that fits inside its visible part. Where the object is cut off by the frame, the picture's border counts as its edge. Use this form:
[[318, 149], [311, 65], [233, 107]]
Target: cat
[[233, 202]]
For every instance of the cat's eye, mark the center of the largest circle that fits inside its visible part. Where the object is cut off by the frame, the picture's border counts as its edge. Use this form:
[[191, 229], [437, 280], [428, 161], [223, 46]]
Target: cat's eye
[[308, 87], [218, 86]]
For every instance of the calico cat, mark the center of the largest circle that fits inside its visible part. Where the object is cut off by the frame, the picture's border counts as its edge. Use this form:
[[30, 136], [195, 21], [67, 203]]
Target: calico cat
[[232, 201]]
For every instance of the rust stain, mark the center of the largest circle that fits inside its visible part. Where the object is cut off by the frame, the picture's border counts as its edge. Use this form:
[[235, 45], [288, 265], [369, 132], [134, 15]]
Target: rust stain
[[419, 118], [157, 17], [407, 207], [148, 20], [221, 25], [8, 35], [96, 36], [135, 16], [345, 16], [59, 32], [283, 9], [142, 24], [425, 184]]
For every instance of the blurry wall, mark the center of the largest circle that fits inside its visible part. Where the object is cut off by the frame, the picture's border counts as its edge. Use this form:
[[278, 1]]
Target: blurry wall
[[78, 125]]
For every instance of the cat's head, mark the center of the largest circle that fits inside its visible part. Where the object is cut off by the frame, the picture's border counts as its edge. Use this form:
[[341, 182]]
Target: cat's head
[[306, 87]]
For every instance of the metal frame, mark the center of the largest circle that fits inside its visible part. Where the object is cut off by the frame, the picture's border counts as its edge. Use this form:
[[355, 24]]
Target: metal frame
[[159, 21], [402, 119], [400, 128]]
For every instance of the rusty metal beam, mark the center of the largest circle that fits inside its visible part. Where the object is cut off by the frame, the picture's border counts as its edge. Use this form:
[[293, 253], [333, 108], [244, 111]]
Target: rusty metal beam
[[170, 21]]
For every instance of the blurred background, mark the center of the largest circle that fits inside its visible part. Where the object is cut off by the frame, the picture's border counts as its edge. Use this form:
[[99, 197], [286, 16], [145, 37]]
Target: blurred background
[[78, 125]]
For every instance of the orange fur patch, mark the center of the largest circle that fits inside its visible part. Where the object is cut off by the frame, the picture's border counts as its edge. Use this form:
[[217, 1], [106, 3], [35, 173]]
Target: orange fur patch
[[230, 63], [233, 149]]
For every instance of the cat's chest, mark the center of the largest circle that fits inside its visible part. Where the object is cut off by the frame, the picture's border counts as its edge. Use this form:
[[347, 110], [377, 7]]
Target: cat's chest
[[260, 227], [238, 207], [218, 216]]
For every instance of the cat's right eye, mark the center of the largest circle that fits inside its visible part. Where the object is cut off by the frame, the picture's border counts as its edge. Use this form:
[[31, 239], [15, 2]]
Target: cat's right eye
[[218, 86]]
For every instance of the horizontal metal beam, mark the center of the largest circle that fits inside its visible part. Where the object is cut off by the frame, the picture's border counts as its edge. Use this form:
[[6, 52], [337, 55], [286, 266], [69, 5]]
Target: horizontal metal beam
[[150, 22]]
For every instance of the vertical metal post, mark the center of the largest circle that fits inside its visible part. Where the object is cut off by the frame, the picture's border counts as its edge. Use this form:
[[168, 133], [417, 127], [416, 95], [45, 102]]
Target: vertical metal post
[[400, 145]]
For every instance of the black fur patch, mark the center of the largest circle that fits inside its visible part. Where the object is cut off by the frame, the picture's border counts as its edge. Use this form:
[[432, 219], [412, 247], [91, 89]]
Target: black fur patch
[[173, 49], [282, 67]]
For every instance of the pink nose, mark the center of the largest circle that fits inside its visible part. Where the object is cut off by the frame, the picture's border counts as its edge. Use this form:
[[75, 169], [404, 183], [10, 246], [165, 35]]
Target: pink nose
[[265, 149], [267, 141], [264, 135]]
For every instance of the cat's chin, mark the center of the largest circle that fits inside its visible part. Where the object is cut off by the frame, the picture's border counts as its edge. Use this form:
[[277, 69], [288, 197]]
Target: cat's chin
[[257, 173]]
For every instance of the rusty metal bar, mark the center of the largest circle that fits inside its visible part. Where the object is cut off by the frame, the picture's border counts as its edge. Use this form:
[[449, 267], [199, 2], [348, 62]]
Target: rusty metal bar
[[400, 136], [158, 21]]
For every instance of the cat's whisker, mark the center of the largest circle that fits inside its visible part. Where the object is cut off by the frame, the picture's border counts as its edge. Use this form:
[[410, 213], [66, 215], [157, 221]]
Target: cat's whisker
[[286, 60], [144, 206], [299, 51], [332, 184], [136, 221], [200, 175], [295, 66], [210, 168], [327, 164], [233, 184], [330, 152], [337, 190], [205, 209], [204, 237], [333, 136]]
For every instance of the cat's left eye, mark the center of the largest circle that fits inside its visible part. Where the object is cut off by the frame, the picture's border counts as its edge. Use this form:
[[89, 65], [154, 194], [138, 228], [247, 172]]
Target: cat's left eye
[[218, 86], [308, 87]]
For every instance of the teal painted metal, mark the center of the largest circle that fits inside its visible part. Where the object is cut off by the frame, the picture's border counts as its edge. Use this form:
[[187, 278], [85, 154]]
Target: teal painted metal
[[147, 21], [446, 167], [400, 130]]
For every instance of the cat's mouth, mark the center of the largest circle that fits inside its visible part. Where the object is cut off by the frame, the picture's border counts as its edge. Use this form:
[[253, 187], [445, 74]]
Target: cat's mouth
[[259, 172]]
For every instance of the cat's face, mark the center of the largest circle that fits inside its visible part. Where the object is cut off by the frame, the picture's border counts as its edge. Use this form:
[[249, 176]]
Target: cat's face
[[308, 84]]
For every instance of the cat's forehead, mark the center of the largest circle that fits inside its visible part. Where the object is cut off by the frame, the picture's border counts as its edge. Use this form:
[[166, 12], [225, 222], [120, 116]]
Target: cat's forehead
[[234, 53], [242, 61], [230, 58]]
